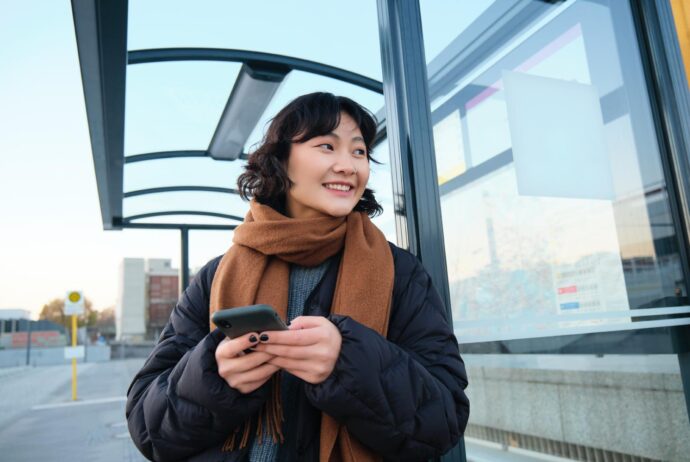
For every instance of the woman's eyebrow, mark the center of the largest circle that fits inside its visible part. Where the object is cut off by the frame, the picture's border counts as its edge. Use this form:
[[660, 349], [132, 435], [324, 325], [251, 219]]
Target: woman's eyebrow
[[355, 138]]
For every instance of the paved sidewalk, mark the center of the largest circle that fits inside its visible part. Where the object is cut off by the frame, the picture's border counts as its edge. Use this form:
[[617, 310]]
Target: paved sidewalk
[[38, 420]]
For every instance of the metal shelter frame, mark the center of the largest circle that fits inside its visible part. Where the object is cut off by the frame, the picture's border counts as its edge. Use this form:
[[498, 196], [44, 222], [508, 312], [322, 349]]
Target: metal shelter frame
[[101, 31]]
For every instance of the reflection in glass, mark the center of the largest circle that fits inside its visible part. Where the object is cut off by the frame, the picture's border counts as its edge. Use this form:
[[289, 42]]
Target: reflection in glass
[[556, 173], [558, 233]]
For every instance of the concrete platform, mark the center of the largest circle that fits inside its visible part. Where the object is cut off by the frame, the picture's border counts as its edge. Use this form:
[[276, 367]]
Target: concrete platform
[[38, 420]]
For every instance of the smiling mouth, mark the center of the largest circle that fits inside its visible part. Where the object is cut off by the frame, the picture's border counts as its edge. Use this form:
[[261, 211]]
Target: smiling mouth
[[338, 187]]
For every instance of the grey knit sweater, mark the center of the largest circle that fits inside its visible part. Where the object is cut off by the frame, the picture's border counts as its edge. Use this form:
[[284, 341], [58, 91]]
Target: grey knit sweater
[[303, 280]]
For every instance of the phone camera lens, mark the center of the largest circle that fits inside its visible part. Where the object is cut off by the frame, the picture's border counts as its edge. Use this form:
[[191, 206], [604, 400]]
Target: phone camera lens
[[225, 324]]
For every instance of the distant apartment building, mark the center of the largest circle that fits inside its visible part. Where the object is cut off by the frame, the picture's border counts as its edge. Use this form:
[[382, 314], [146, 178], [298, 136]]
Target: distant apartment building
[[148, 291], [162, 292]]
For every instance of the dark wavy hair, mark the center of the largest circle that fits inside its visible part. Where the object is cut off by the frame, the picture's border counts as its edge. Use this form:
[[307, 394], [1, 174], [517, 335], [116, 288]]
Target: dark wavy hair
[[316, 114]]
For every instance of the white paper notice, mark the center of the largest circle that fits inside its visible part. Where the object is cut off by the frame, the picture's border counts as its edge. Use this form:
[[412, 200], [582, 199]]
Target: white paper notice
[[557, 134]]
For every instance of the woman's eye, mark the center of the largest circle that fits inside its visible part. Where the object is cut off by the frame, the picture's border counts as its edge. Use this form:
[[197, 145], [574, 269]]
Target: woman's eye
[[326, 146], [360, 152]]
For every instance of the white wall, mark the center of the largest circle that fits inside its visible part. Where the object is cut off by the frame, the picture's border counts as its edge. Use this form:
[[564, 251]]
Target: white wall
[[130, 309], [15, 314]]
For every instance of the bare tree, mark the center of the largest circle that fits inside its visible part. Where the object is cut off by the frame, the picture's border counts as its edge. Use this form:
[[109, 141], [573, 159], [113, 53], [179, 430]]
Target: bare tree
[[54, 311]]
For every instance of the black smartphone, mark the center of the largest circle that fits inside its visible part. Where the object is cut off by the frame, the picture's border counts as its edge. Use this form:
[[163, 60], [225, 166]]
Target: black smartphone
[[236, 322]]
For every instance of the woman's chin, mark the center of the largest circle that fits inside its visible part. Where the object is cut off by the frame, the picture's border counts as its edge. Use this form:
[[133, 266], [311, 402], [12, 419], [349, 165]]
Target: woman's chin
[[338, 212]]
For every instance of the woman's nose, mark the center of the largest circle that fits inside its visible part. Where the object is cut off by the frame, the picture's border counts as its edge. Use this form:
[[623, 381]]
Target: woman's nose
[[344, 164]]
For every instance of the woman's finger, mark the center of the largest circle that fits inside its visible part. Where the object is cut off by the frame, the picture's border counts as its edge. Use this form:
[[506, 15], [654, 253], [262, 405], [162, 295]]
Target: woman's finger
[[295, 367], [249, 381], [258, 373], [307, 322], [287, 351], [243, 363], [290, 365], [298, 337], [230, 348]]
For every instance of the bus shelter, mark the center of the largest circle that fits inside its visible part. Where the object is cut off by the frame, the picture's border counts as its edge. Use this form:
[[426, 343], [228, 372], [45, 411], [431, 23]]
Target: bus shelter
[[536, 159]]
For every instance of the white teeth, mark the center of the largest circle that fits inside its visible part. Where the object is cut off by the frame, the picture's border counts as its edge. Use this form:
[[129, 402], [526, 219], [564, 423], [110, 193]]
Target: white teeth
[[339, 187]]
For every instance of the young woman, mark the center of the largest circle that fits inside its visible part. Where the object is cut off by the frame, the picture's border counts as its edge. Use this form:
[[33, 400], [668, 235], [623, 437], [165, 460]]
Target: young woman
[[369, 368]]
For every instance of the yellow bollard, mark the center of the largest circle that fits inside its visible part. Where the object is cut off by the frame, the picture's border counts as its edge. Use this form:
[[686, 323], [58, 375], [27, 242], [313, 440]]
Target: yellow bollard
[[74, 360]]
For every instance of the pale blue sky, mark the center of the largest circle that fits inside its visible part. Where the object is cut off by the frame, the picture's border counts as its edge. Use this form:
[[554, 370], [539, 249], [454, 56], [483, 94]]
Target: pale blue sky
[[52, 238]]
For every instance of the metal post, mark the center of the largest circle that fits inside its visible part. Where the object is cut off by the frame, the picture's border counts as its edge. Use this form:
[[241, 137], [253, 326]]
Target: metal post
[[409, 129], [670, 98], [184, 258], [28, 344], [413, 161], [74, 360]]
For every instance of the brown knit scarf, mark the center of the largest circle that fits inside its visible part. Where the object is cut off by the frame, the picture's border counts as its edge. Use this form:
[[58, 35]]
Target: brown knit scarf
[[256, 270]]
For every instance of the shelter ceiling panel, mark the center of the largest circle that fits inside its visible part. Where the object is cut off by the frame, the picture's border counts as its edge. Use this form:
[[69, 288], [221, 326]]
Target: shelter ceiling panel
[[298, 83], [187, 220], [175, 105], [342, 34], [200, 171], [186, 200], [444, 21]]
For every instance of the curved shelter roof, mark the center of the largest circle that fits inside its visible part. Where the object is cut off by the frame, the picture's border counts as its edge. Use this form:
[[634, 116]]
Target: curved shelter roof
[[177, 93], [174, 105]]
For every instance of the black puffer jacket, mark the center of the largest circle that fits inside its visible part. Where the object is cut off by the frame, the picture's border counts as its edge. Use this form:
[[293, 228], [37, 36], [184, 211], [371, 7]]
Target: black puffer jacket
[[401, 396]]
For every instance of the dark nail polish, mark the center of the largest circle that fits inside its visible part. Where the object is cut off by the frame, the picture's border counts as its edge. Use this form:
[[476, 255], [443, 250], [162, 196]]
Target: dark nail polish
[[264, 337], [252, 338], [288, 323]]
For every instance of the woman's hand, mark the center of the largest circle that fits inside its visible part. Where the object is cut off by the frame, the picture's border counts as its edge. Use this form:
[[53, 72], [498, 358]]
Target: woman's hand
[[243, 372], [308, 350]]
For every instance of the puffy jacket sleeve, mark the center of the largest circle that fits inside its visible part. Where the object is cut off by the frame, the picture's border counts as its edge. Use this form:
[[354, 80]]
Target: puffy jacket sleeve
[[177, 404], [402, 396]]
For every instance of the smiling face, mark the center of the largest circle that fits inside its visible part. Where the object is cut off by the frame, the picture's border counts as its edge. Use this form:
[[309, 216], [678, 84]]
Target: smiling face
[[329, 172]]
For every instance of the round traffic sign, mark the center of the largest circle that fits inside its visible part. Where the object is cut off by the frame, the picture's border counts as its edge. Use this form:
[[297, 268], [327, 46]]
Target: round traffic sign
[[74, 297]]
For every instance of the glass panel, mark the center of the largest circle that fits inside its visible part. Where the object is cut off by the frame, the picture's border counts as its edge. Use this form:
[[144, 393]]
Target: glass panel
[[299, 83], [332, 33], [449, 20], [227, 204], [556, 170], [175, 105], [558, 232], [201, 171], [380, 181], [198, 171], [188, 220]]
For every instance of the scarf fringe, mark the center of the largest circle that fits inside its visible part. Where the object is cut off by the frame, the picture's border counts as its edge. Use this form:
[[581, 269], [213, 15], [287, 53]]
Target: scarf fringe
[[271, 413]]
